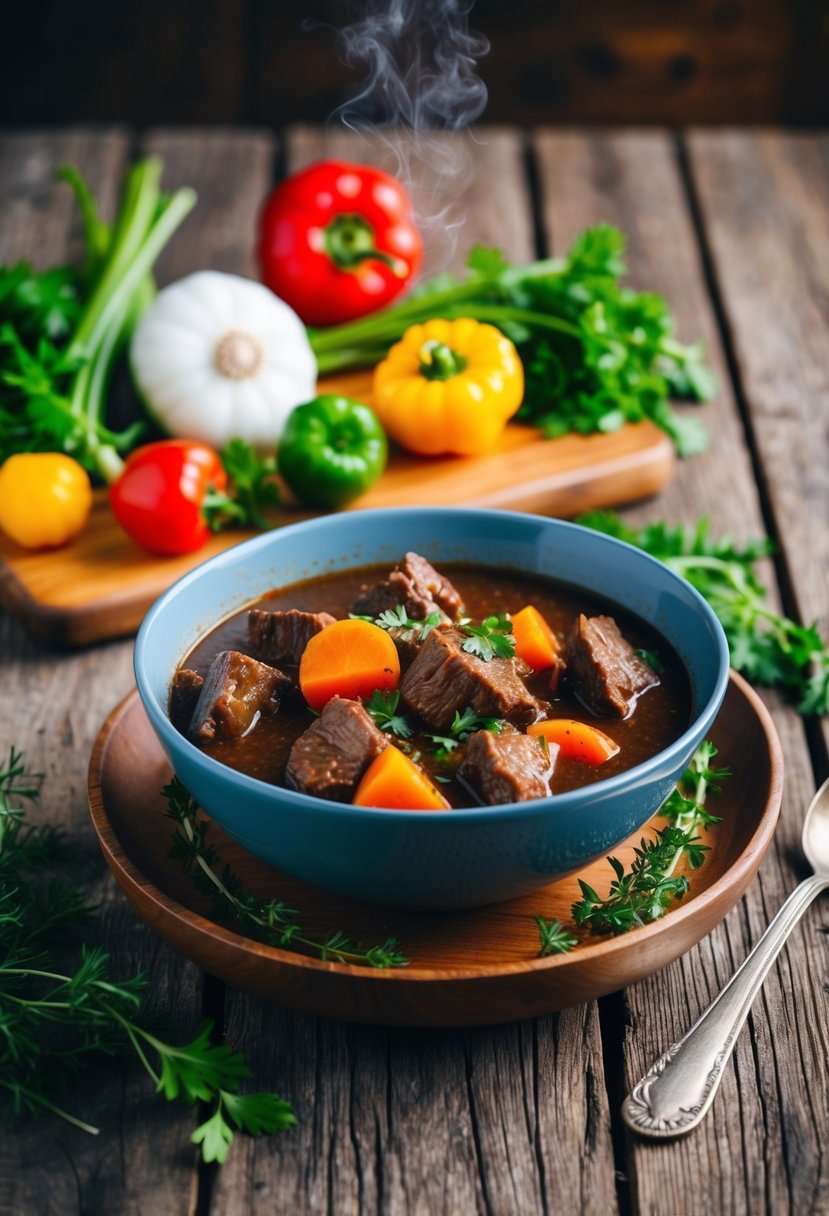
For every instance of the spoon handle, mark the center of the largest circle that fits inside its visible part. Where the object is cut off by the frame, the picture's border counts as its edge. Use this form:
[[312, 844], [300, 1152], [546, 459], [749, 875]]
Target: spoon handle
[[676, 1092]]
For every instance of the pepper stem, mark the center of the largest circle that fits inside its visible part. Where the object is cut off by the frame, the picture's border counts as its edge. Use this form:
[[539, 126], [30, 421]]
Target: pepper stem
[[439, 362], [349, 241]]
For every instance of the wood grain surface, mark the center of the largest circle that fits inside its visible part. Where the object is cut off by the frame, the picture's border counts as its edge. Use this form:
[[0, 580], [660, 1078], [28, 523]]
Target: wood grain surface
[[520, 1118]]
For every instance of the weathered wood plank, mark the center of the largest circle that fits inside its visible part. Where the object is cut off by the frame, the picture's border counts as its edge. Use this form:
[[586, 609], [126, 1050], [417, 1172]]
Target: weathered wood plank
[[767, 195], [230, 171], [52, 706], [752, 1154], [508, 1119]]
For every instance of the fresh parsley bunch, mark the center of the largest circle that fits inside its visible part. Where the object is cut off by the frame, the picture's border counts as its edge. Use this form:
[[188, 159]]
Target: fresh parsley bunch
[[596, 354], [767, 647], [55, 1018]]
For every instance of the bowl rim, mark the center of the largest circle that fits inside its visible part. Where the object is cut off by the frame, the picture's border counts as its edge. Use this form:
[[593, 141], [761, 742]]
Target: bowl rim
[[554, 803]]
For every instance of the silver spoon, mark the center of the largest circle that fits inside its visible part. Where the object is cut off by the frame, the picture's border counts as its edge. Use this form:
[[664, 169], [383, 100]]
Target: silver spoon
[[676, 1092]]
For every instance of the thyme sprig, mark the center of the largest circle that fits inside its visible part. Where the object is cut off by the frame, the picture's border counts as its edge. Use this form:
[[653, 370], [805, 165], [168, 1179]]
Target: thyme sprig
[[554, 938], [54, 1019], [644, 892], [266, 920]]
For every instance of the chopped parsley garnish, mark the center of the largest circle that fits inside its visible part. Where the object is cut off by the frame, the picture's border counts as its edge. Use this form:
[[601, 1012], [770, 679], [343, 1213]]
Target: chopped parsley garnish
[[492, 639], [383, 708], [398, 618]]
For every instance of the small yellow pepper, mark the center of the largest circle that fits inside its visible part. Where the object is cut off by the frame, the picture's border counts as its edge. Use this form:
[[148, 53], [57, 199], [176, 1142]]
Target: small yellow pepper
[[45, 499], [449, 387]]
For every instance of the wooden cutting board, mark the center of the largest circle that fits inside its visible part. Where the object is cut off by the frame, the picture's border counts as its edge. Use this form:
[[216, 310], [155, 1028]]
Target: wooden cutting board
[[101, 584]]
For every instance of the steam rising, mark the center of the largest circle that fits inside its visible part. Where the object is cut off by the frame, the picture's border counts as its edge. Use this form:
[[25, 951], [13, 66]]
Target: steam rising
[[420, 58]]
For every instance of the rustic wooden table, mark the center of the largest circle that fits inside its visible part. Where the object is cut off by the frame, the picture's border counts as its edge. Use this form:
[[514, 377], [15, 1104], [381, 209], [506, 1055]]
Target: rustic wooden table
[[731, 226]]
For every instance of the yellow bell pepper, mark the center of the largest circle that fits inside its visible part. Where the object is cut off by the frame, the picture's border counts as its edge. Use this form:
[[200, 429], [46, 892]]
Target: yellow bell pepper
[[45, 499], [449, 387]]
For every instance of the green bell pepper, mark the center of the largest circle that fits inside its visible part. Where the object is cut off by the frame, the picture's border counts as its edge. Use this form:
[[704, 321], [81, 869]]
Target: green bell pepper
[[332, 450]]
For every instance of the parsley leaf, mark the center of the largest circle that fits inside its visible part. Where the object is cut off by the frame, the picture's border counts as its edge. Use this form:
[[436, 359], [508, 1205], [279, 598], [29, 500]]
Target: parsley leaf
[[491, 639], [252, 1113], [383, 708], [253, 489], [463, 725], [398, 618]]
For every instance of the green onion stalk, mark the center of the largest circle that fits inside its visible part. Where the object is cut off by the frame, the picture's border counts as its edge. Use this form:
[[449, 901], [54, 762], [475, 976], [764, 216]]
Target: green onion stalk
[[118, 269]]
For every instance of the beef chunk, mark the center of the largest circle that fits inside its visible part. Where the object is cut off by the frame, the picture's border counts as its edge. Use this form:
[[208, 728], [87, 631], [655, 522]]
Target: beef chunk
[[184, 693], [235, 692], [418, 586], [603, 668], [443, 678], [281, 637], [507, 767], [408, 644], [329, 759], [430, 581]]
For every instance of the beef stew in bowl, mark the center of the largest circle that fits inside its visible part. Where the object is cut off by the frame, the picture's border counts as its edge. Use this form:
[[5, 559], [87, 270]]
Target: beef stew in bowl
[[484, 851], [481, 727]]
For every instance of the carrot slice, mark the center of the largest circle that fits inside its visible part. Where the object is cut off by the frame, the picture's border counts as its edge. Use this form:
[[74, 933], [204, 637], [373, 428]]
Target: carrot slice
[[535, 641], [347, 659], [393, 780], [577, 740]]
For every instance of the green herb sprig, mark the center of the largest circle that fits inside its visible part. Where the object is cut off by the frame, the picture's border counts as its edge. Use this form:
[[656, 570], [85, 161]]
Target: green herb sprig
[[554, 938], [595, 353], [54, 1019], [266, 920], [398, 618], [383, 706], [253, 490], [463, 725], [61, 333], [491, 639], [767, 647], [645, 891]]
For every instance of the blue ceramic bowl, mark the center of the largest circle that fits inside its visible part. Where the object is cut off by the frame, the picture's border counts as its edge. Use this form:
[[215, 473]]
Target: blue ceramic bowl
[[463, 858]]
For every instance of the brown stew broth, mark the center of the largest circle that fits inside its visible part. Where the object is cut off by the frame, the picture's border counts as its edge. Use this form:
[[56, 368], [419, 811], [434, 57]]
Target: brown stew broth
[[660, 716]]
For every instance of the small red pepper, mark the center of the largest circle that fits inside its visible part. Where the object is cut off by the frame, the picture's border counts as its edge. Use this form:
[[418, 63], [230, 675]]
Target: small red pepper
[[160, 496], [337, 241]]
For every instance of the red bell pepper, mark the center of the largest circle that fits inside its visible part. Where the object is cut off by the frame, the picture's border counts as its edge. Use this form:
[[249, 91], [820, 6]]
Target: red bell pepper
[[159, 499], [337, 241]]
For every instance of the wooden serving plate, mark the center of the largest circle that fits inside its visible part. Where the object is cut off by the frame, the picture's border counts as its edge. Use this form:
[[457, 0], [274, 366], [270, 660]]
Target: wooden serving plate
[[101, 584], [466, 968]]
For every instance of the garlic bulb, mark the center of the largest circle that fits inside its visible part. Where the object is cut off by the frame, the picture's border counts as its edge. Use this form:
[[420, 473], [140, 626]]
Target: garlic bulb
[[217, 356]]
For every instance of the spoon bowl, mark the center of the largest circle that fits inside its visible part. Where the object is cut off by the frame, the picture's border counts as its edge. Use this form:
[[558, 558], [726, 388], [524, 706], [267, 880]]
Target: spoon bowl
[[815, 838]]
